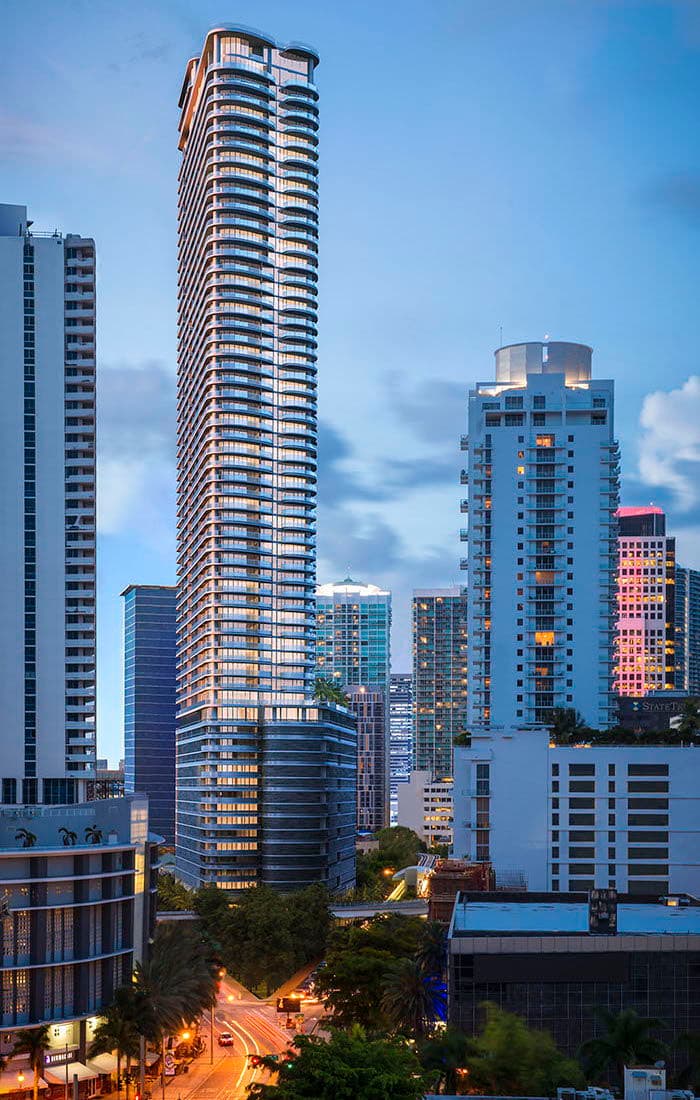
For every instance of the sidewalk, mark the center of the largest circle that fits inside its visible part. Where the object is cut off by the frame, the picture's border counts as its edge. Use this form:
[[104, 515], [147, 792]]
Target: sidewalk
[[292, 983], [182, 1085]]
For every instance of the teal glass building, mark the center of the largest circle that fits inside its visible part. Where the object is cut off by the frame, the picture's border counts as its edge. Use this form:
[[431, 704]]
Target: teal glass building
[[353, 648]]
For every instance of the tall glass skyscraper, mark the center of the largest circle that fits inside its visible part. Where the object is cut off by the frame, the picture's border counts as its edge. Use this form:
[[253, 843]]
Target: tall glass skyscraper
[[543, 474], [687, 630], [353, 647], [400, 734], [264, 776], [150, 617], [440, 677], [47, 512]]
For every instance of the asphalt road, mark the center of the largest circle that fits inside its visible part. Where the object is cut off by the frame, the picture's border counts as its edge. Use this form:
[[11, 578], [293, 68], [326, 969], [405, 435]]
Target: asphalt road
[[257, 1028]]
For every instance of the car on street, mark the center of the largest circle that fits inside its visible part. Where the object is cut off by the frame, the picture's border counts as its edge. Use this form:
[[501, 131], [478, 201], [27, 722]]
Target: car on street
[[225, 1039]]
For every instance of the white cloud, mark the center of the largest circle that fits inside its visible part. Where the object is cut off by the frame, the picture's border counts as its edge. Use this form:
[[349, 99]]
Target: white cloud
[[669, 449], [136, 452]]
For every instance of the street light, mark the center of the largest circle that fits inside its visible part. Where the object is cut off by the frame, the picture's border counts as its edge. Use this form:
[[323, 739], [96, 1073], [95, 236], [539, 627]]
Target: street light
[[185, 1036]]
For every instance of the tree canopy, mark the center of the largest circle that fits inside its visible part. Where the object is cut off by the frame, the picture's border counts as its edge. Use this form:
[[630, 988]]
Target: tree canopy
[[349, 1066], [627, 1040], [510, 1059], [360, 962]]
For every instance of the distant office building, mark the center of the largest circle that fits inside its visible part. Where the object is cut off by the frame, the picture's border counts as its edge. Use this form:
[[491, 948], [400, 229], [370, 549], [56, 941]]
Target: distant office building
[[687, 630], [400, 734], [646, 637], [570, 817], [150, 627], [353, 631], [425, 805], [108, 782], [368, 704], [557, 961], [47, 512], [440, 677], [542, 471]]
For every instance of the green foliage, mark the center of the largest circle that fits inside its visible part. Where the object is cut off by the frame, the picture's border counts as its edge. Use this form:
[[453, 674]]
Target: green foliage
[[510, 1059], [33, 1041], [689, 1076], [176, 983], [432, 951], [327, 690], [360, 961], [400, 845], [567, 725], [350, 1066], [462, 740], [411, 999], [264, 936], [443, 1055], [627, 1041], [173, 895]]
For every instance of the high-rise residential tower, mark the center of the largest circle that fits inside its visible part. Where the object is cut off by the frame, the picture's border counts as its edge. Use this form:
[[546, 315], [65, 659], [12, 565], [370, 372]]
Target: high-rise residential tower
[[353, 647], [400, 734], [264, 776], [543, 490], [687, 630], [47, 512], [440, 677], [646, 603], [150, 622]]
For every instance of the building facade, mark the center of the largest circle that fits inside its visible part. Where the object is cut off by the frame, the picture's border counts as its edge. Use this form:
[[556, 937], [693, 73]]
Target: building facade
[[555, 963], [687, 626], [78, 884], [425, 805], [440, 677], [247, 436], [645, 644], [150, 626], [606, 816], [542, 471], [400, 735], [353, 648], [47, 512]]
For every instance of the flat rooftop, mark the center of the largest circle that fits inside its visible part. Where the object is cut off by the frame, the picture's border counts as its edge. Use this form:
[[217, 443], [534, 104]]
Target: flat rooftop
[[514, 918]]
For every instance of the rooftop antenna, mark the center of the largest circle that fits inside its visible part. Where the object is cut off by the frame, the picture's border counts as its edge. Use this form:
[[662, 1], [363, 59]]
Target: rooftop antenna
[[500, 332]]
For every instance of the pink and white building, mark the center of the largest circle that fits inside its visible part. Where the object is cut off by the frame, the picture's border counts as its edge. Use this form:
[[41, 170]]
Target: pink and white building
[[645, 634]]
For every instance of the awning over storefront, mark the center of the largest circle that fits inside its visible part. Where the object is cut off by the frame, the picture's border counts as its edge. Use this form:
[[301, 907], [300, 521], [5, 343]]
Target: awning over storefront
[[151, 1057], [9, 1082], [105, 1063], [56, 1075]]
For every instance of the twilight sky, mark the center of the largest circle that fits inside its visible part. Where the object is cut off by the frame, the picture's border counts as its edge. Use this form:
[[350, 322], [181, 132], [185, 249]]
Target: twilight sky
[[486, 165]]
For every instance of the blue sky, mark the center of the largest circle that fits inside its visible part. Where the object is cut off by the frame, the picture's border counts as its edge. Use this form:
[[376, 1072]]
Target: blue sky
[[531, 168]]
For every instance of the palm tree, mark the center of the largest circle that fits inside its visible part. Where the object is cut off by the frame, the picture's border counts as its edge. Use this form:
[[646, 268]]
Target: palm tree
[[33, 1041], [689, 724], [566, 725], [177, 982], [117, 1032], [68, 836], [689, 1076], [627, 1042], [327, 690], [93, 834], [410, 998], [446, 1053], [28, 839], [432, 951]]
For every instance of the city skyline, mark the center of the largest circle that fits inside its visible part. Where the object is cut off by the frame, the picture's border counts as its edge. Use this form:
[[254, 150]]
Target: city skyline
[[374, 479]]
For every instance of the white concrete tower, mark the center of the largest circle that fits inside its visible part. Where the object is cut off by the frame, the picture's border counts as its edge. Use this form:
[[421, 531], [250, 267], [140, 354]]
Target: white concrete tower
[[247, 312], [47, 512], [543, 489]]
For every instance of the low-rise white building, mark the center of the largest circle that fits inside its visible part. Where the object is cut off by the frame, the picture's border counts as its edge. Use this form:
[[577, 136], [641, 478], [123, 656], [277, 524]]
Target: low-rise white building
[[425, 805], [574, 817]]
